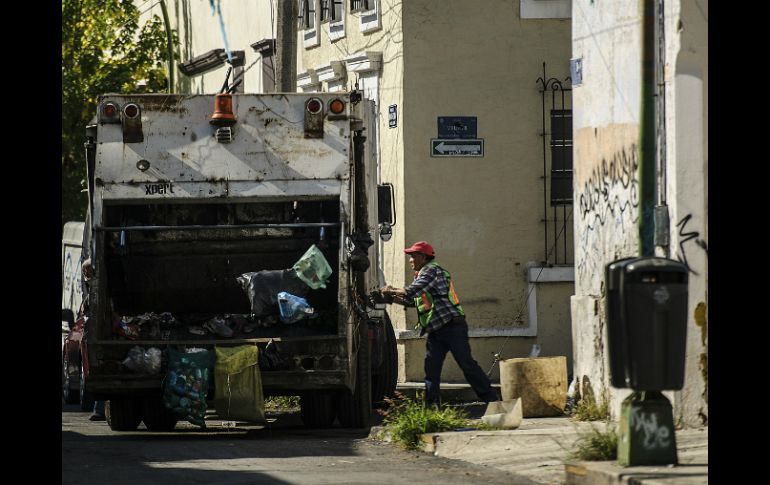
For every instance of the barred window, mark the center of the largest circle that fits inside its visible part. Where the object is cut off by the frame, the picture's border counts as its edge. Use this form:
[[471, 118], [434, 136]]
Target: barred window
[[561, 157], [359, 5]]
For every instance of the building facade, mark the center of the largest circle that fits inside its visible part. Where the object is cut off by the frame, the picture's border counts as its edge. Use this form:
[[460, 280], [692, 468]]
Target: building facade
[[435, 67], [474, 132], [607, 53]]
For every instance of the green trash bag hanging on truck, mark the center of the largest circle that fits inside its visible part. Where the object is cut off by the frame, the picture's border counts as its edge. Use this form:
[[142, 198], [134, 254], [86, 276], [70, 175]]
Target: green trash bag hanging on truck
[[187, 383], [238, 391], [313, 269]]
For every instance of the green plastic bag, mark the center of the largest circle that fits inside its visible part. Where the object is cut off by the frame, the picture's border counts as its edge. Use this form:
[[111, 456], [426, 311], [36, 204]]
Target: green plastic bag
[[186, 385], [313, 269], [238, 393]]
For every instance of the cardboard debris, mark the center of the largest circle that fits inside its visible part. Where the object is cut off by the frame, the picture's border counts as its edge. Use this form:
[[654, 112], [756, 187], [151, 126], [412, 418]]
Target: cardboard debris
[[503, 414]]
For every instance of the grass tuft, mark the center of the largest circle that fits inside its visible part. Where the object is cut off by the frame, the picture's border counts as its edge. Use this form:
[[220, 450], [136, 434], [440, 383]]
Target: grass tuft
[[408, 419], [596, 445], [588, 410]]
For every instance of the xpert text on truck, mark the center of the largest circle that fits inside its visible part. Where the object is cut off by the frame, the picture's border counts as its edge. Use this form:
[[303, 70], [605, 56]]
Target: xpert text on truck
[[189, 192]]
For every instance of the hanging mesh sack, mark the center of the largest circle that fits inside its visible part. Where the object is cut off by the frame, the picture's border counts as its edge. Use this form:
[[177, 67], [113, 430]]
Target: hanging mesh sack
[[187, 384], [238, 392]]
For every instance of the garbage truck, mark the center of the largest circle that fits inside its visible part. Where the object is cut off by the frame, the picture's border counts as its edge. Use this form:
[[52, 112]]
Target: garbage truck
[[189, 196]]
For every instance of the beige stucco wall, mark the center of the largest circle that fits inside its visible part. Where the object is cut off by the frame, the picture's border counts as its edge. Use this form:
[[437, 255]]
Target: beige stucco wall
[[606, 128], [482, 215], [246, 22]]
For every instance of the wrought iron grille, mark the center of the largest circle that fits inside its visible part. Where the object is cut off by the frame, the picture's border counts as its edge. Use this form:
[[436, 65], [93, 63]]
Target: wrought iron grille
[[557, 169]]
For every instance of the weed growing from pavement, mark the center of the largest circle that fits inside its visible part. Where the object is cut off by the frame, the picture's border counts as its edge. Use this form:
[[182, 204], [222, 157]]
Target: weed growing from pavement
[[282, 403], [596, 445], [588, 410], [408, 419]]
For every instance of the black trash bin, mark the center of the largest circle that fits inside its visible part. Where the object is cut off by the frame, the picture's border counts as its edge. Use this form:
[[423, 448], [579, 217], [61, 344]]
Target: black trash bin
[[646, 323]]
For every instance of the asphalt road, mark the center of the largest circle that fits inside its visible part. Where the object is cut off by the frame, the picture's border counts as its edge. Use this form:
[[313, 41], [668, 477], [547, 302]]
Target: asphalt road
[[282, 453]]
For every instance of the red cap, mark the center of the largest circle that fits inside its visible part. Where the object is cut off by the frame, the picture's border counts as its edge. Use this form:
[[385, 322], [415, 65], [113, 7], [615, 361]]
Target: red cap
[[421, 247]]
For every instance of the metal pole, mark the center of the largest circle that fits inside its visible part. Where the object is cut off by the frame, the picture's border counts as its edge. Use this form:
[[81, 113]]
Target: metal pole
[[545, 174], [231, 226], [169, 46], [647, 132], [286, 46]]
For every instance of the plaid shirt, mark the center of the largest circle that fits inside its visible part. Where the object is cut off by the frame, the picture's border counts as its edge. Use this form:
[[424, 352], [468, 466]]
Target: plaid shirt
[[431, 279]]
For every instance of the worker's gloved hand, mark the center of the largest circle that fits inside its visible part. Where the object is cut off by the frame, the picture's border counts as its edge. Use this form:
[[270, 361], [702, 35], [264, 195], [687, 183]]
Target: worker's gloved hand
[[387, 290], [377, 296]]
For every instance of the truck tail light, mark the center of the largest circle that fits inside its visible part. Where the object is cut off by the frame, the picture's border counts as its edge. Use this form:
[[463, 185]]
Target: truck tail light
[[314, 118], [132, 124], [337, 106], [131, 110], [109, 113], [314, 106]]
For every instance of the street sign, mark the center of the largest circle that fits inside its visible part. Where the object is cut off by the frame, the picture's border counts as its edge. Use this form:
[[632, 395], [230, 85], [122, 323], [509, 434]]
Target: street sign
[[456, 148], [393, 115], [457, 127]]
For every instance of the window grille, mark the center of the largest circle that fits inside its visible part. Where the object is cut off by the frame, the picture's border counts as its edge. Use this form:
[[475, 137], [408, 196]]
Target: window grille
[[557, 169]]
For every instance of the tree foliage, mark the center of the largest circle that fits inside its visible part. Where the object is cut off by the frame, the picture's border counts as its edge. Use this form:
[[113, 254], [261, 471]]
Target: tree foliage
[[104, 50]]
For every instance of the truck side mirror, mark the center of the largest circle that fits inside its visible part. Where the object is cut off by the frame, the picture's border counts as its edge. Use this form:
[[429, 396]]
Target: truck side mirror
[[386, 210]]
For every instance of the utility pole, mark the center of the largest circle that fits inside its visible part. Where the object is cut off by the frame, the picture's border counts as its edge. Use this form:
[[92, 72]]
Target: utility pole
[[169, 46], [286, 46]]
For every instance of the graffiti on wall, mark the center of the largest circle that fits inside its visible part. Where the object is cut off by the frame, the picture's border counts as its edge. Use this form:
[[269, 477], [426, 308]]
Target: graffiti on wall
[[685, 236], [608, 211]]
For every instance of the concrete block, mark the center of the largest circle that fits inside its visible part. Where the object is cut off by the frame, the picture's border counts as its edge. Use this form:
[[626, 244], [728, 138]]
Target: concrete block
[[540, 382]]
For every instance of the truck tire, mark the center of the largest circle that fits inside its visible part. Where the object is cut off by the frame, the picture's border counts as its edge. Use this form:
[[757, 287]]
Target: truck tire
[[354, 409], [155, 415], [86, 398], [384, 378], [70, 395], [317, 409], [123, 414]]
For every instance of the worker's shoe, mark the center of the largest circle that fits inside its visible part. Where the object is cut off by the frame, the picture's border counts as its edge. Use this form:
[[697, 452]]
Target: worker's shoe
[[97, 417]]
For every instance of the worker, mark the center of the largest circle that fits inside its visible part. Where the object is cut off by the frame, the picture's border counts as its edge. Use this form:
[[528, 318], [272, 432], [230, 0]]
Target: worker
[[441, 316]]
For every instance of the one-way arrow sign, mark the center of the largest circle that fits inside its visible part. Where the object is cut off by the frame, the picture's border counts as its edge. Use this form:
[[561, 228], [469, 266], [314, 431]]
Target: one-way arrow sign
[[456, 148]]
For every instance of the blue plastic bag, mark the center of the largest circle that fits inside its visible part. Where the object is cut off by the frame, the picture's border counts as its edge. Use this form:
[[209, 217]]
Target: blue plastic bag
[[293, 308]]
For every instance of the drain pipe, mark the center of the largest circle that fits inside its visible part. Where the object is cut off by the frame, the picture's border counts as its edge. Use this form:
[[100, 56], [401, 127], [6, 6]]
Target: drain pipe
[[662, 222], [647, 133]]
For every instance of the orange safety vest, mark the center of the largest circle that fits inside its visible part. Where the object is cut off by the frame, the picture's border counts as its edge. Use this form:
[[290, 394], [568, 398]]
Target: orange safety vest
[[425, 305]]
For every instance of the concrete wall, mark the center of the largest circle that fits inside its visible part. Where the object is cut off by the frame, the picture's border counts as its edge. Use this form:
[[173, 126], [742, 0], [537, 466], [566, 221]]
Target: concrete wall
[[482, 215], [607, 37], [246, 22], [687, 186]]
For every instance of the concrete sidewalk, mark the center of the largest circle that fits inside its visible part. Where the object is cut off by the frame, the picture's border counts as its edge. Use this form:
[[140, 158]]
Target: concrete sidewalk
[[538, 451]]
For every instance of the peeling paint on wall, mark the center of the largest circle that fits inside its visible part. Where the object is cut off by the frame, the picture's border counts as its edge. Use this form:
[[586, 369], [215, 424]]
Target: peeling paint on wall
[[702, 323]]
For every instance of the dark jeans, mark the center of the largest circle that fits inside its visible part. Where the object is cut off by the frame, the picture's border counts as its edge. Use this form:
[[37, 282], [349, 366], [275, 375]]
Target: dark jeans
[[453, 337]]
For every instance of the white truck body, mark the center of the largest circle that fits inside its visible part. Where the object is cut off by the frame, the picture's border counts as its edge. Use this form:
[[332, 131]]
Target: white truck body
[[177, 215]]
